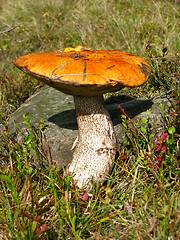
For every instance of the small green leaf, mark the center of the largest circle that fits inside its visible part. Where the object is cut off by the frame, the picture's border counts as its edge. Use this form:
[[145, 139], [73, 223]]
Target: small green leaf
[[11, 187], [151, 135], [143, 129], [30, 170], [25, 172], [25, 115], [33, 226], [74, 220], [42, 122], [145, 120], [171, 130], [5, 178], [29, 138], [123, 116], [15, 197], [148, 113], [124, 125]]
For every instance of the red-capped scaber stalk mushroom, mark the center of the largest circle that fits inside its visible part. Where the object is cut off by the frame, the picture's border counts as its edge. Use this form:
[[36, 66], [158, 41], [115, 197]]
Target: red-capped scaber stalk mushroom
[[87, 75]]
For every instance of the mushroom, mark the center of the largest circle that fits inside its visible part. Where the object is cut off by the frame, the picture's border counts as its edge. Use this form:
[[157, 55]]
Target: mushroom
[[87, 75]]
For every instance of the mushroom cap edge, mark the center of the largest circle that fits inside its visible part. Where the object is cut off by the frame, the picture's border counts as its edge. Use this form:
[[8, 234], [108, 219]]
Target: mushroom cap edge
[[86, 73]]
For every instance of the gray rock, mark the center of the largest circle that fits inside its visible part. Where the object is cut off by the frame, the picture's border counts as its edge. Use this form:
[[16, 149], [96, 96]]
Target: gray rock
[[60, 127]]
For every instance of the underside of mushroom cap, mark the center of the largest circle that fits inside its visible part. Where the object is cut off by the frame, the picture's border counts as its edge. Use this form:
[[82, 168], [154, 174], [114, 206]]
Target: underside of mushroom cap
[[86, 72]]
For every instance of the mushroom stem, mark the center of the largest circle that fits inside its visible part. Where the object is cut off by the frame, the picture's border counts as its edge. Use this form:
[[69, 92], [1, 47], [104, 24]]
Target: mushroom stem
[[95, 153]]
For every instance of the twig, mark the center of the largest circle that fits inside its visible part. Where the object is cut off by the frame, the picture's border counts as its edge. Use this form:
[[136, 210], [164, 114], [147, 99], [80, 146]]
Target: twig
[[9, 30], [134, 179]]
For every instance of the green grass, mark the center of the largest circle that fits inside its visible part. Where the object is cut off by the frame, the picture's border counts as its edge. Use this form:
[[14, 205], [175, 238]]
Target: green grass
[[140, 199]]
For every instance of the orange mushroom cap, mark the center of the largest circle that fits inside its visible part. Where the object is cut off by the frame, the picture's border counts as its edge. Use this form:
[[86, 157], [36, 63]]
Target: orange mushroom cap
[[86, 72]]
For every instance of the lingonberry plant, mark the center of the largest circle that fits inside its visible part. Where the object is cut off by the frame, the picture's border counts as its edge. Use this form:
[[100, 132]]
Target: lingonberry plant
[[160, 146]]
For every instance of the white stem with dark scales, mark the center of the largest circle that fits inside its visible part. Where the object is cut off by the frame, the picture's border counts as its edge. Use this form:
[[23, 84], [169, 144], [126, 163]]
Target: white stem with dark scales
[[95, 152]]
